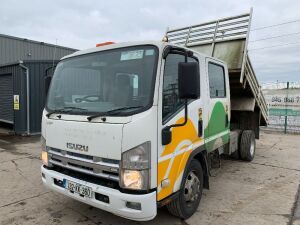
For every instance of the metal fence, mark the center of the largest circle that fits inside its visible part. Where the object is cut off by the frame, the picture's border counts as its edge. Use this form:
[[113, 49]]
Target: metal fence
[[283, 107]]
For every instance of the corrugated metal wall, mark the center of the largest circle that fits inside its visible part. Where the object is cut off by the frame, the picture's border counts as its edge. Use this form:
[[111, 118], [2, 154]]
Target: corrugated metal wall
[[6, 96], [38, 57], [37, 72], [19, 88], [13, 49]]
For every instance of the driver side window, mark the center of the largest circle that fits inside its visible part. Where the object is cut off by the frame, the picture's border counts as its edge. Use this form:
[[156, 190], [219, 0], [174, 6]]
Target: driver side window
[[171, 102]]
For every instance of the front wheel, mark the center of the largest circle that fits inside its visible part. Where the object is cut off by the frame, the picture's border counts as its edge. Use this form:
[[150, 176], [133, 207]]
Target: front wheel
[[187, 202]]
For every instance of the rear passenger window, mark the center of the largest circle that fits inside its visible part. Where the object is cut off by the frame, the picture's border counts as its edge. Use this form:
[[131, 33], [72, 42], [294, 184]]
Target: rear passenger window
[[216, 77]]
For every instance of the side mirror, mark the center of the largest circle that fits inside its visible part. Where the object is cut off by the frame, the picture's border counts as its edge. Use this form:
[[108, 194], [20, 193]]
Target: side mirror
[[47, 83], [188, 80], [166, 136]]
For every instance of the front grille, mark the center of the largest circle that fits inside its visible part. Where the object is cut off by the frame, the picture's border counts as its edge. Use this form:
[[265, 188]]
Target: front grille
[[86, 177], [92, 165], [80, 155], [81, 167]]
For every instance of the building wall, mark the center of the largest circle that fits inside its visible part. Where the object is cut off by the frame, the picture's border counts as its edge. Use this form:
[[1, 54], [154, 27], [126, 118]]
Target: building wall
[[13, 49], [19, 88], [38, 57], [37, 97], [37, 72]]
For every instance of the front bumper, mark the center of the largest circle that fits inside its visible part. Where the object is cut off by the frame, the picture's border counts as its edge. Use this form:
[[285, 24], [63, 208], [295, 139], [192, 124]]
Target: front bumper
[[117, 200]]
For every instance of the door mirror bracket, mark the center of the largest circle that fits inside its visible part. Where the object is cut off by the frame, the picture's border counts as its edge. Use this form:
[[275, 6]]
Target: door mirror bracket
[[166, 133]]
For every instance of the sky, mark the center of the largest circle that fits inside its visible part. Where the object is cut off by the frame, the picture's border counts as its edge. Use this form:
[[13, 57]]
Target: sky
[[82, 24]]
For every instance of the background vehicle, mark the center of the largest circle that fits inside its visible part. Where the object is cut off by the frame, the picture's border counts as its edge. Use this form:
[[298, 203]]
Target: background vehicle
[[129, 127]]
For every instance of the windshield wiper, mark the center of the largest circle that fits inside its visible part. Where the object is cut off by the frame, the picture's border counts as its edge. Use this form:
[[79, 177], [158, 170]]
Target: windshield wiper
[[63, 110], [73, 107], [112, 112]]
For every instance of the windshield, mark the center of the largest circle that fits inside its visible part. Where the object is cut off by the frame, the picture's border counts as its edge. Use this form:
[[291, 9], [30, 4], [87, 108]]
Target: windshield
[[119, 79]]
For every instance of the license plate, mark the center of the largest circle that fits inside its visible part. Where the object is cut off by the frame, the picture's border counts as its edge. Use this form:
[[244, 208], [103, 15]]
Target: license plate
[[78, 188]]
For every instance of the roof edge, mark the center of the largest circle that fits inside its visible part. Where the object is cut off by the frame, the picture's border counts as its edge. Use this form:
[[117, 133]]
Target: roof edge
[[37, 42], [27, 61]]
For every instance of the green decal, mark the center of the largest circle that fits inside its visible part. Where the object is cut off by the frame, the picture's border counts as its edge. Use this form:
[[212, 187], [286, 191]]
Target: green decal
[[216, 125]]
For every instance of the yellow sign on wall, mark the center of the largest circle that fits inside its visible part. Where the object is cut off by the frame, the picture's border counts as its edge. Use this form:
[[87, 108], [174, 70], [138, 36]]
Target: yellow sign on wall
[[16, 102]]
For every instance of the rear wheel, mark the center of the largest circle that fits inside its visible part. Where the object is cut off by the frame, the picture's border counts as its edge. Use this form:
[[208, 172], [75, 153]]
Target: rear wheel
[[247, 145], [190, 193]]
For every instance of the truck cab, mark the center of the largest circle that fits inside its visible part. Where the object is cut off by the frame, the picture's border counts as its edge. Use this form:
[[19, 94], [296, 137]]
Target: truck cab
[[131, 127]]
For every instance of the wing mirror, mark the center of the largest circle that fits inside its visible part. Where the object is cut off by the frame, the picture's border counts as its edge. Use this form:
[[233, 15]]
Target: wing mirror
[[188, 80]]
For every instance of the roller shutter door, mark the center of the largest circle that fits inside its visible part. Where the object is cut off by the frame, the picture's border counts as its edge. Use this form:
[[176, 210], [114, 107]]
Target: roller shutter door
[[6, 99]]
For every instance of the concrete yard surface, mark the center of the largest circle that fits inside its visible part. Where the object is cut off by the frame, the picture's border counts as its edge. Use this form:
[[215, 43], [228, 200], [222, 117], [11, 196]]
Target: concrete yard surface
[[265, 191]]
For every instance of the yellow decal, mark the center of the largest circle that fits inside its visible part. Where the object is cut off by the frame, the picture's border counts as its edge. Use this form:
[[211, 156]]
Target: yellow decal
[[186, 132], [162, 166], [176, 154]]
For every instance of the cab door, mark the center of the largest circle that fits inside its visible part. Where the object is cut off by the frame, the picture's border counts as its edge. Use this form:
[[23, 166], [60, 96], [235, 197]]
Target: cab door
[[217, 131], [172, 158]]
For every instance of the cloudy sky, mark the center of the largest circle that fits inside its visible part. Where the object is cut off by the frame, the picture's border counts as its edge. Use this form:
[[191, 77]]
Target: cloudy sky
[[82, 24]]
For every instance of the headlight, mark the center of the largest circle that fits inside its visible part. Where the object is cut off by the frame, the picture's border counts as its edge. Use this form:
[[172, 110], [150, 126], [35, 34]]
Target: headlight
[[45, 158], [135, 179], [135, 167]]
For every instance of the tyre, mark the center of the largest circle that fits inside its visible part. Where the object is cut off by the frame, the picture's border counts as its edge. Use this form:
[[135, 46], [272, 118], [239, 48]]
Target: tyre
[[190, 193], [247, 145]]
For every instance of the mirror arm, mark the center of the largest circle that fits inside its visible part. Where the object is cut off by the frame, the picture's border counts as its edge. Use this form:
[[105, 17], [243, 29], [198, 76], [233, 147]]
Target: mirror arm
[[185, 117]]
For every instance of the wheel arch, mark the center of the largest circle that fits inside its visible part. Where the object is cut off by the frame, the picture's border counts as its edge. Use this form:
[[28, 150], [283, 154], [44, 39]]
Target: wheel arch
[[200, 154]]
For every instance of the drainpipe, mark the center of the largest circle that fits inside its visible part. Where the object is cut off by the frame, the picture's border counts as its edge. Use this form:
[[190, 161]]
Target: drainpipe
[[27, 95]]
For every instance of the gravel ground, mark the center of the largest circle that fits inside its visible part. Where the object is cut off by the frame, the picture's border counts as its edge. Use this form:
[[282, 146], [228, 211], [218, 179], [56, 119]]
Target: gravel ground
[[264, 191]]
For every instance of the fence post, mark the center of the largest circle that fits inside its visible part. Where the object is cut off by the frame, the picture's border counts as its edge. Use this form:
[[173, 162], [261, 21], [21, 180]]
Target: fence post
[[285, 117]]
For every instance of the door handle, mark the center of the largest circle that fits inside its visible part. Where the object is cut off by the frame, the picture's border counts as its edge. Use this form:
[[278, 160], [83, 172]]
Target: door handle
[[200, 128], [200, 123]]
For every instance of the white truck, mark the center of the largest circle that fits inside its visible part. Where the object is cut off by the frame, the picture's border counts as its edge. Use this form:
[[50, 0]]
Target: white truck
[[132, 127]]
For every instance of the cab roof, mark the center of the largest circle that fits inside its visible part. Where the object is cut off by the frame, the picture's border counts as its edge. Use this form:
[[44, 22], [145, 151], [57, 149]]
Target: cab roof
[[159, 44], [114, 46]]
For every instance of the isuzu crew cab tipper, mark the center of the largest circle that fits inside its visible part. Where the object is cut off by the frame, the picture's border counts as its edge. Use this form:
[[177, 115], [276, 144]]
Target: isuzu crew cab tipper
[[131, 127]]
